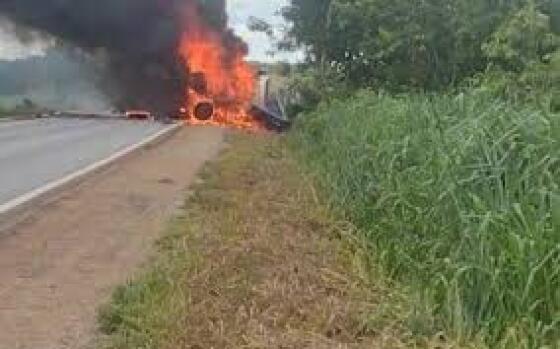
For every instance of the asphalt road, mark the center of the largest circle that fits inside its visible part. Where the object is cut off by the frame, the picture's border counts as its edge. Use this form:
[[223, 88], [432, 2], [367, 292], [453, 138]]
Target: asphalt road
[[34, 153]]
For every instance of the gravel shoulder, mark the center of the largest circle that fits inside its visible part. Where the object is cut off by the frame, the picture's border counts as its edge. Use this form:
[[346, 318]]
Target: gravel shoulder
[[63, 257]]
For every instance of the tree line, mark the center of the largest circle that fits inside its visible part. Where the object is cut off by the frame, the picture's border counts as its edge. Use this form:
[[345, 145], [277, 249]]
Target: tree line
[[421, 44]]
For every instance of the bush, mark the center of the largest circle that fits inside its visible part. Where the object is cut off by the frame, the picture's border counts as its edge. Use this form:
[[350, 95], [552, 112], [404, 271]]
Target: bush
[[538, 84], [306, 89], [459, 196]]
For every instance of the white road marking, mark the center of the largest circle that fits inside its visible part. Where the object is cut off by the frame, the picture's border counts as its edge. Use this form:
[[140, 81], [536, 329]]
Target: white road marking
[[34, 194]]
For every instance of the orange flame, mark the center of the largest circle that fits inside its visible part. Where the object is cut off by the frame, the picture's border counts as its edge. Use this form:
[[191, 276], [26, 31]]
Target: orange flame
[[229, 79]]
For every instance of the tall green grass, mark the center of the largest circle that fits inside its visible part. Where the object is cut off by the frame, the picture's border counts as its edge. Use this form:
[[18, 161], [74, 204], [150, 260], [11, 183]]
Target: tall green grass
[[459, 196]]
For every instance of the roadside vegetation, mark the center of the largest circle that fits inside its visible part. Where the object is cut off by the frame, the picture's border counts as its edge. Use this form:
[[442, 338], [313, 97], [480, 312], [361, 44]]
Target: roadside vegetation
[[458, 197], [433, 126], [25, 107], [256, 261]]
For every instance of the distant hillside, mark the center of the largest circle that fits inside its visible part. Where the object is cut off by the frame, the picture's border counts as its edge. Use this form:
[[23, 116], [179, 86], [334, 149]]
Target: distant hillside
[[59, 79]]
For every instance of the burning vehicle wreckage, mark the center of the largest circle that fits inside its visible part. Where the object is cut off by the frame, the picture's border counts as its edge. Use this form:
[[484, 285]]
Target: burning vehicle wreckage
[[264, 110], [173, 58]]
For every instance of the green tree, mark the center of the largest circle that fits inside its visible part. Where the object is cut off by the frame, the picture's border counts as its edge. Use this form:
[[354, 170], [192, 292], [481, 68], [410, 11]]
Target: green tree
[[423, 44], [524, 38], [309, 27]]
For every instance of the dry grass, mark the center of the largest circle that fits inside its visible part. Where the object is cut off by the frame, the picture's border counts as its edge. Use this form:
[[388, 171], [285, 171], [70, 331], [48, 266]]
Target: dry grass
[[256, 262]]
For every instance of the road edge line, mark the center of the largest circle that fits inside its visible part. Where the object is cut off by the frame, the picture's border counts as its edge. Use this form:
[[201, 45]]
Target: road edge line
[[59, 183]]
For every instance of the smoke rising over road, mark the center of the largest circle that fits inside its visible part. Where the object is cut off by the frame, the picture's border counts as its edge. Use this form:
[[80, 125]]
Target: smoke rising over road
[[137, 40]]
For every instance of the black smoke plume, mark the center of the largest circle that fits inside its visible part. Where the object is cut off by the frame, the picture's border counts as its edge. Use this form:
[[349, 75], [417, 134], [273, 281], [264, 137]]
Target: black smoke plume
[[137, 40]]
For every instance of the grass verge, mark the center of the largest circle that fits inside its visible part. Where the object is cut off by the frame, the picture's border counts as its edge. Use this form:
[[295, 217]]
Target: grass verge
[[458, 197], [255, 261]]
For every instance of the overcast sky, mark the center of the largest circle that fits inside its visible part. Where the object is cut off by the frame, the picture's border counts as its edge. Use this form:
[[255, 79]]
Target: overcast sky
[[239, 12]]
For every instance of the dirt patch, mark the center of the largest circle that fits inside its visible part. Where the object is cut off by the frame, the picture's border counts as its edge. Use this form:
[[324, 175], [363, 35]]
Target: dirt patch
[[255, 262], [63, 259]]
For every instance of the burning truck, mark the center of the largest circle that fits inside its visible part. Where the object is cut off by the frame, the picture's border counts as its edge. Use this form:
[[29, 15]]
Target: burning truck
[[220, 83], [266, 110], [223, 88]]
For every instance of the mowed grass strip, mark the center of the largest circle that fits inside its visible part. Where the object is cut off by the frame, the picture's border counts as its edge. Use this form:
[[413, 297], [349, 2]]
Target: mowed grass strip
[[255, 261]]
